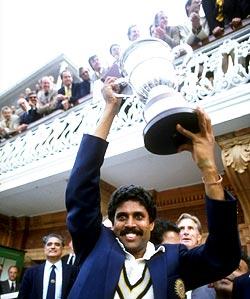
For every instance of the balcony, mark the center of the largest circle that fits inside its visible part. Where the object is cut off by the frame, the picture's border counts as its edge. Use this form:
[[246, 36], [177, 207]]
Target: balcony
[[35, 165]]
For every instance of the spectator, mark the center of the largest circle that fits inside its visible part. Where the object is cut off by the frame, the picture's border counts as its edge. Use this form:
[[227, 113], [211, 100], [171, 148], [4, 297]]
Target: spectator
[[191, 236], [115, 51], [46, 96], [96, 66], [172, 35], [133, 33], [165, 232], [70, 258], [30, 109], [52, 279], [11, 284], [198, 25], [71, 92], [109, 256], [86, 83], [230, 288], [10, 124], [220, 14]]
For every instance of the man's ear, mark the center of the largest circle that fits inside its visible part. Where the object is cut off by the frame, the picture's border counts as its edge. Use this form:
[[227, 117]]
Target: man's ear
[[152, 225], [199, 239]]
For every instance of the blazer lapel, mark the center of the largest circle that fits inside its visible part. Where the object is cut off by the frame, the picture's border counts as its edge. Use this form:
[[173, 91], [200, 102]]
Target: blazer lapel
[[158, 273], [115, 264], [40, 275]]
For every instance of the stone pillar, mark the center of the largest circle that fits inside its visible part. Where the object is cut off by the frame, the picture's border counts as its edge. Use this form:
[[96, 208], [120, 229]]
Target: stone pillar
[[236, 159]]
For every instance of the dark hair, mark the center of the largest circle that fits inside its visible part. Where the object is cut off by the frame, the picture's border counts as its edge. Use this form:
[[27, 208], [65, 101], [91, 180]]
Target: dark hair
[[162, 226], [134, 193], [90, 60], [45, 239]]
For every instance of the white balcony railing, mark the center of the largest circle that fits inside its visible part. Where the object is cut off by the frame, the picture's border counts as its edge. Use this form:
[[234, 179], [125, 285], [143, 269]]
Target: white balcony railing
[[209, 73]]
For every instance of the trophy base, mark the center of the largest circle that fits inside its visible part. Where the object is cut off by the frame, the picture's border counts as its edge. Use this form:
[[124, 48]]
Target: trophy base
[[160, 134]]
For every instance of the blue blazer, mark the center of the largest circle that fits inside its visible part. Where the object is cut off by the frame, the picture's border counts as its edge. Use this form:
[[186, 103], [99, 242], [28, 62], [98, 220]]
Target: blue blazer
[[102, 257], [32, 282]]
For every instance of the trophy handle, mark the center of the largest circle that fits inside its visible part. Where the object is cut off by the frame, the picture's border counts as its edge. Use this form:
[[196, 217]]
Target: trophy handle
[[126, 88], [183, 50]]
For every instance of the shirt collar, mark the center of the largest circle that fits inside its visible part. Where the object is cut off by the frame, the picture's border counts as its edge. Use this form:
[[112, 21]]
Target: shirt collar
[[150, 251], [58, 264]]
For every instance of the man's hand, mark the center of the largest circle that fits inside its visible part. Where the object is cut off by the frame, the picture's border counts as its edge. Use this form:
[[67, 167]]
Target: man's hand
[[109, 89], [202, 146], [202, 150]]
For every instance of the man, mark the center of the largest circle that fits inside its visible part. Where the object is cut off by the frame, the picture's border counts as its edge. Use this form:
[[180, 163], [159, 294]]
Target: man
[[29, 107], [70, 258], [236, 285], [191, 236], [190, 230], [99, 70], [165, 232], [46, 96], [133, 33], [198, 25], [52, 279], [10, 124], [71, 92], [11, 284], [119, 262]]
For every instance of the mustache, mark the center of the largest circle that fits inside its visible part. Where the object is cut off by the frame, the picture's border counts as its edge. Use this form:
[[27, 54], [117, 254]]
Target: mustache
[[131, 230]]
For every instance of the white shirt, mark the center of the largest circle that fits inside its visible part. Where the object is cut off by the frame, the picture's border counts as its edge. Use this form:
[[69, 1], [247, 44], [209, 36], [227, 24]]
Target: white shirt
[[134, 267], [69, 258], [46, 274], [10, 283]]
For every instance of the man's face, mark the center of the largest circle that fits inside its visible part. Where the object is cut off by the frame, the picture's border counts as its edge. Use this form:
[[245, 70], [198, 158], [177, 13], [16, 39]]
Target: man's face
[[115, 51], [225, 285], [7, 114], [53, 249], [46, 84], [23, 104], [85, 74], [163, 20], [132, 227], [32, 100], [134, 33], [67, 78], [13, 272], [95, 63], [189, 234]]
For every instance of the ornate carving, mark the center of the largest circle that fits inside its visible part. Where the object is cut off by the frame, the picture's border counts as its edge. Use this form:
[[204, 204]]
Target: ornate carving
[[236, 150]]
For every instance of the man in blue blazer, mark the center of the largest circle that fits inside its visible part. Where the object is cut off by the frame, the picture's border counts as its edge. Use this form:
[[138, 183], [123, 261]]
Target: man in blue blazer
[[121, 262], [36, 280]]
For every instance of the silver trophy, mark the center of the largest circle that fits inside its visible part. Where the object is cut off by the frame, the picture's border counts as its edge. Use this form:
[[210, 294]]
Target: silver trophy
[[148, 66]]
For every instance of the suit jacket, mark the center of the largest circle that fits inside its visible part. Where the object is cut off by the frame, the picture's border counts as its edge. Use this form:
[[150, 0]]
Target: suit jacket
[[102, 257], [32, 282], [241, 287], [231, 9], [5, 287], [79, 90]]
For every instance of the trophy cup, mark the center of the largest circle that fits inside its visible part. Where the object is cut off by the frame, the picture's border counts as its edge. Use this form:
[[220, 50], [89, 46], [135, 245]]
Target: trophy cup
[[148, 66]]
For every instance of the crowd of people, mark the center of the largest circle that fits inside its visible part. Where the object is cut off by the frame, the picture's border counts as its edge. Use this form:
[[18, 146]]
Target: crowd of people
[[204, 19]]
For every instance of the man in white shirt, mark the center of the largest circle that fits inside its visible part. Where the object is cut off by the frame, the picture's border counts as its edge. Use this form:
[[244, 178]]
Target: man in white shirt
[[52, 279], [11, 284]]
